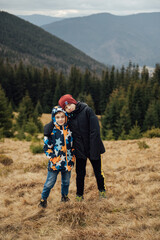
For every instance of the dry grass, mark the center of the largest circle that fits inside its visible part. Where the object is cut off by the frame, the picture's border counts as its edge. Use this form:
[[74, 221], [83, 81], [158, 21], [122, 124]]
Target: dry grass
[[132, 210], [45, 118]]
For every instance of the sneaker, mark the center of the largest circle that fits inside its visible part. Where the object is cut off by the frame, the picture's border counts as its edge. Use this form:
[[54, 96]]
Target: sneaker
[[65, 199], [79, 198], [102, 194], [43, 203]]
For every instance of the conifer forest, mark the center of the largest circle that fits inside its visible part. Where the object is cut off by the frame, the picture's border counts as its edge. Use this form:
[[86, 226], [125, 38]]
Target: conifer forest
[[127, 99]]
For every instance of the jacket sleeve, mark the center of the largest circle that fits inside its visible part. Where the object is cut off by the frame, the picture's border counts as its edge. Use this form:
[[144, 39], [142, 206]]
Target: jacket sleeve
[[48, 143], [48, 147], [96, 145], [48, 128], [71, 157]]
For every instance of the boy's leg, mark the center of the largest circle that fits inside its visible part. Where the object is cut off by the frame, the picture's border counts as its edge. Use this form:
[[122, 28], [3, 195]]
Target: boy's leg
[[65, 181], [97, 167], [81, 172], [49, 184]]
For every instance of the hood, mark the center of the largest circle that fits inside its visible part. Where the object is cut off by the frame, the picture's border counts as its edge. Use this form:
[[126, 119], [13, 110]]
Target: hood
[[79, 107], [55, 110]]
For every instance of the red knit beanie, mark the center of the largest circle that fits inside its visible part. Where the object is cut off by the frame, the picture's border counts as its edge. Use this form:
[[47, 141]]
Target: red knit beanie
[[66, 99]]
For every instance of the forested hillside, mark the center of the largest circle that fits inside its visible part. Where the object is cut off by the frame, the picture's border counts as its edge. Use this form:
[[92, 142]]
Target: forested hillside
[[127, 99], [113, 39], [22, 40]]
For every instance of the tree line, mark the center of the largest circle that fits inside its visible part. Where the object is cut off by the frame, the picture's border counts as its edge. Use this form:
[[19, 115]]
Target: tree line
[[125, 97]]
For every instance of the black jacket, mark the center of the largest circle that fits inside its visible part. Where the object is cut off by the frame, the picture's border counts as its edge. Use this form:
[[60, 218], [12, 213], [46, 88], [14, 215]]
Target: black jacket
[[86, 132]]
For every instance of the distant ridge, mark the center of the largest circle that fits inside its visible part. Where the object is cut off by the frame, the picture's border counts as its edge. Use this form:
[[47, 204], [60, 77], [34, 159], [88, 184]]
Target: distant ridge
[[22, 40], [39, 20], [112, 39]]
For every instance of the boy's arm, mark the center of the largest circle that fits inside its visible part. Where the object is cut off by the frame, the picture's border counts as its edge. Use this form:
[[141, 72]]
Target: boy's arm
[[48, 143], [48, 148], [95, 140], [48, 128]]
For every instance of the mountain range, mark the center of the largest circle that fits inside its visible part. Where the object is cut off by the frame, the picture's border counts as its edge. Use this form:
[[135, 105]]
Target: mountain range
[[112, 39], [21, 40], [39, 20]]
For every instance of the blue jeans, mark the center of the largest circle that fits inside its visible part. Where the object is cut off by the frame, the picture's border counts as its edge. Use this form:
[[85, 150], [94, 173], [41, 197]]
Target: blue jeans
[[51, 180]]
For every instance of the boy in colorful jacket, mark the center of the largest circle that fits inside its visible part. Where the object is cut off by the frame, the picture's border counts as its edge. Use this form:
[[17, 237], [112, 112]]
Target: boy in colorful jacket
[[59, 150]]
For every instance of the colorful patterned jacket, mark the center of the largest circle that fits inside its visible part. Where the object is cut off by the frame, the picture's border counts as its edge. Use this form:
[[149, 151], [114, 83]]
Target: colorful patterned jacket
[[58, 145]]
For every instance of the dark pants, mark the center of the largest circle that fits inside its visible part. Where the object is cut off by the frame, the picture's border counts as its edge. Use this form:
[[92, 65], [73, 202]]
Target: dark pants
[[81, 172]]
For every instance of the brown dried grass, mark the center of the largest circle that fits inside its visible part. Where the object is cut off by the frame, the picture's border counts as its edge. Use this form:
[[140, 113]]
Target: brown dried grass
[[131, 211]]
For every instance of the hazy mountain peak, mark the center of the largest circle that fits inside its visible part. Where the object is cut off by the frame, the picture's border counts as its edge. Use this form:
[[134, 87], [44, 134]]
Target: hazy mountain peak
[[39, 20], [113, 39]]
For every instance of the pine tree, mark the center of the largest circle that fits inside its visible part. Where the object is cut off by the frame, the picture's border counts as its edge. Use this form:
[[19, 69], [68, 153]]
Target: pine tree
[[90, 102], [112, 119], [5, 115], [151, 117], [121, 81], [136, 103], [145, 74], [74, 82], [25, 111], [95, 92], [105, 90], [156, 74], [34, 84], [27, 116], [135, 132], [135, 72], [124, 122], [86, 82], [20, 83], [38, 109], [60, 89]]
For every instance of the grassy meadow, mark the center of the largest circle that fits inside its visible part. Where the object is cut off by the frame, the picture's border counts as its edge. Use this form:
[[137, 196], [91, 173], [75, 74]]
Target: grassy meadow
[[131, 210]]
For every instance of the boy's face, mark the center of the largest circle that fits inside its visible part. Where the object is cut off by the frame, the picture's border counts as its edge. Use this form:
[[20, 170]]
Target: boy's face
[[70, 107], [60, 118]]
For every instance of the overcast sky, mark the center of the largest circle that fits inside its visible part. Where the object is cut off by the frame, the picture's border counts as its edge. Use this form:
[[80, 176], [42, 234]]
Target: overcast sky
[[75, 8]]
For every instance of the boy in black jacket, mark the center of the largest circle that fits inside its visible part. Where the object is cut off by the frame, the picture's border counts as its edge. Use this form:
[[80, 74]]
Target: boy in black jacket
[[87, 142]]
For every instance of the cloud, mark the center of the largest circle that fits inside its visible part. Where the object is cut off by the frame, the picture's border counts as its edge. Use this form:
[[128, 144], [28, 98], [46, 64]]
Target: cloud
[[78, 7]]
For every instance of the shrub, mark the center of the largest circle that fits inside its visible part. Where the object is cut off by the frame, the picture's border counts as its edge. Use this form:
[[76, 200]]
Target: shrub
[[36, 148], [29, 138], [123, 136], [31, 127], [109, 135], [36, 139], [1, 134], [142, 145], [155, 132], [20, 135], [5, 114], [135, 132], [6, 161]]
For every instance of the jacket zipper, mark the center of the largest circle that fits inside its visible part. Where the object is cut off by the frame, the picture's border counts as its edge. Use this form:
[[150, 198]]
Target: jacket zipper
[[65, 145]]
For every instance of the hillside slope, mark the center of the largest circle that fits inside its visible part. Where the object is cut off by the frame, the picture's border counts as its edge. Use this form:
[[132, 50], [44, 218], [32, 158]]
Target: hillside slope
[[22, 40], [131, 211], [113, 39]]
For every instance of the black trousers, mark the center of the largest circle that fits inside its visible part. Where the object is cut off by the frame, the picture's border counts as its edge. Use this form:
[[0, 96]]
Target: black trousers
[[81, 172]]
